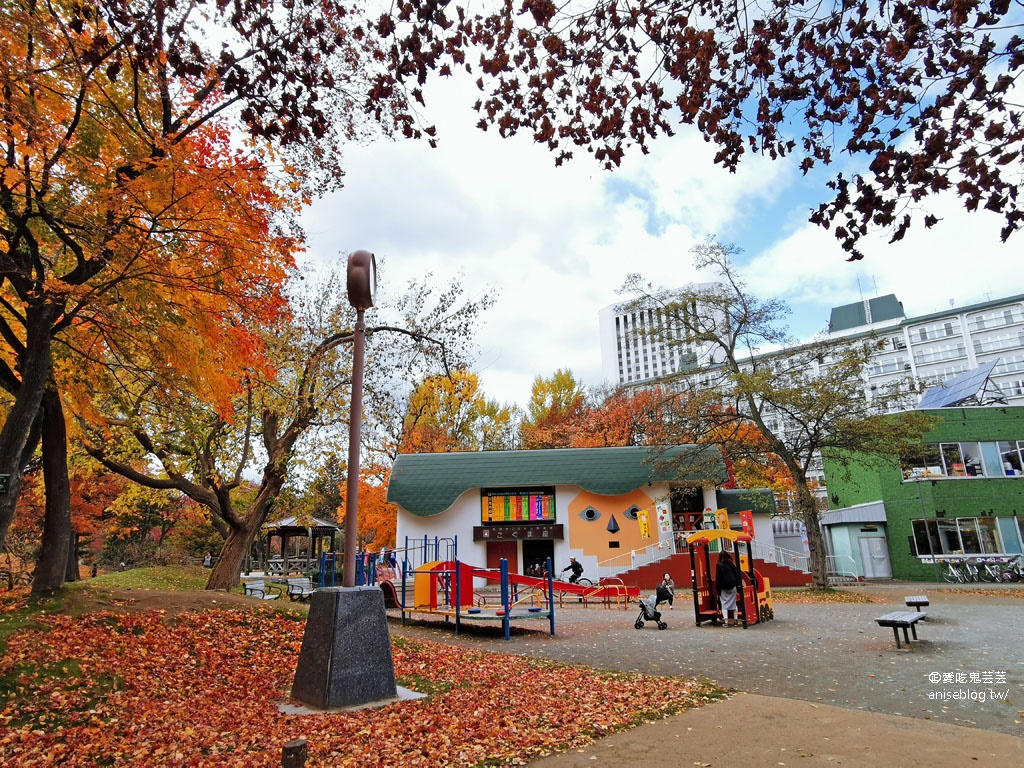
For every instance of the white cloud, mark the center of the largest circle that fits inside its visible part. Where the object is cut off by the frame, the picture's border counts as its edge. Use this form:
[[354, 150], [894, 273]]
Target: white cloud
[[961, 260]]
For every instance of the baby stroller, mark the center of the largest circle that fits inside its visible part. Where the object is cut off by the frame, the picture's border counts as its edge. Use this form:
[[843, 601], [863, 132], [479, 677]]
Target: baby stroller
[[649, 612]]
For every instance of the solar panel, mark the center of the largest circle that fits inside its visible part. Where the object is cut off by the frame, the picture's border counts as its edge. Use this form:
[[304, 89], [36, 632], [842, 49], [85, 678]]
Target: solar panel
[[960, 389]]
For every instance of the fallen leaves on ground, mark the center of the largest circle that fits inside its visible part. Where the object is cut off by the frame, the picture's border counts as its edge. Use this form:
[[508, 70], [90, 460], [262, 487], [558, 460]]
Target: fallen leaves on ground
[[202, 688], [822, 596], [1017, 592]]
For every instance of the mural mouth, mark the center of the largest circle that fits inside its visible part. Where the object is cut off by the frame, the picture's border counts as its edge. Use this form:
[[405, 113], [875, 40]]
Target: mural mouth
[[613, 545]]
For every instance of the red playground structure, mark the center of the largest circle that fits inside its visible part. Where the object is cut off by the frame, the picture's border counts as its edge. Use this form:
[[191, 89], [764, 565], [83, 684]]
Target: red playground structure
[[753, 602]]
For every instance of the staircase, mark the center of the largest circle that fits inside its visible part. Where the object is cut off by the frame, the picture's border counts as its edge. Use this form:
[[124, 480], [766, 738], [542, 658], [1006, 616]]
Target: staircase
[[648, 576]]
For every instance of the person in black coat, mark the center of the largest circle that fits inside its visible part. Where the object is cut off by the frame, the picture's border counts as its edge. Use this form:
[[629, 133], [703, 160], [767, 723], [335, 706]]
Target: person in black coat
[[666, 591], [576, 568], [727, 579]]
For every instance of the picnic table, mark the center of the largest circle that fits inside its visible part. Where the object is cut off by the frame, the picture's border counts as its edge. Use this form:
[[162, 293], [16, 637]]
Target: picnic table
[[901, 620], [917, 602]]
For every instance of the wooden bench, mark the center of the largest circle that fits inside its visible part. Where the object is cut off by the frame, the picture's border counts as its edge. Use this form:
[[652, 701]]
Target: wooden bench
[[259, 588], [901, 620], [917, 602], [300, 588]]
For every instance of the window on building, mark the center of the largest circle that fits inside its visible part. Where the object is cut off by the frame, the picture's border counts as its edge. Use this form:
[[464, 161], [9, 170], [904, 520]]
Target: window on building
[[972, 459], [952, 460], [1011, 458], [959, 536], [926, 537], [922, 461]]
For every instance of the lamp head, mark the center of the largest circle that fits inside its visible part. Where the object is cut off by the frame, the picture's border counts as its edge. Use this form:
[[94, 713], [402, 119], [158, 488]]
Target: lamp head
[[362, 279]]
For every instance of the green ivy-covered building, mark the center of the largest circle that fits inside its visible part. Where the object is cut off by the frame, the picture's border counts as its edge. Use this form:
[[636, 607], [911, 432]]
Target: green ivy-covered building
[[960, 496]]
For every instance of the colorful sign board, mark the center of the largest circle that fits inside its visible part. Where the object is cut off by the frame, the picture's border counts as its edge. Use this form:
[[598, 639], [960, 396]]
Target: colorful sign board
[[710, 519], [643, 516], [517, 506], [722, 517], [664, 517]]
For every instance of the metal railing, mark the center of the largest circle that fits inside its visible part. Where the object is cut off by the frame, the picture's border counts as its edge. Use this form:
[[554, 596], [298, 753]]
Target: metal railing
[[635, 558], [841, 569], [769, 553]]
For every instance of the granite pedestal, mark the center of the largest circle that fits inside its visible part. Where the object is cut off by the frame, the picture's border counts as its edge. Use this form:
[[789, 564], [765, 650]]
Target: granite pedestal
[[346, 651]]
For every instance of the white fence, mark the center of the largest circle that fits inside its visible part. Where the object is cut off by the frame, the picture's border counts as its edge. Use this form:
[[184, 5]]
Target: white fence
[[769, 553], [635, 558]]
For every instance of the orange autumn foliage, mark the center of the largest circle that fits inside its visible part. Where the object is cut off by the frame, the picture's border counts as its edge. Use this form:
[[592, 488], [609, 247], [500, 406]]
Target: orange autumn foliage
[[377, 520], [627, 417], [125, 690]]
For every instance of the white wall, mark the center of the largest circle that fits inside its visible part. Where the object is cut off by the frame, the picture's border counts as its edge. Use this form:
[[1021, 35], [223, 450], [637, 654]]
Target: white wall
[[460, 519]]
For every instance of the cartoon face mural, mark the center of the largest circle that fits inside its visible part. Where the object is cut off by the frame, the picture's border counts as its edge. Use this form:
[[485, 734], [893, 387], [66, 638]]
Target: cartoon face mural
[[605, 526]]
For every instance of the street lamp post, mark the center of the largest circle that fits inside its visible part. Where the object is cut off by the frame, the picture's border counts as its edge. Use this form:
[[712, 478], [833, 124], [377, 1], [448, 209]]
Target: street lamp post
[[346, 658], [362, 285]]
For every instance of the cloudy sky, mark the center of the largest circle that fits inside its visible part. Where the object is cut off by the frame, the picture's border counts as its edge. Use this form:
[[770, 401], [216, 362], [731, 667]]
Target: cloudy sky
[[556, 244]]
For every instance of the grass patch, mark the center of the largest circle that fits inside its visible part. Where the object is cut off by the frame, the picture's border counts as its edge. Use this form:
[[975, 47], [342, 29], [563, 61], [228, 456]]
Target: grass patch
[[175, 577], [425, 685]]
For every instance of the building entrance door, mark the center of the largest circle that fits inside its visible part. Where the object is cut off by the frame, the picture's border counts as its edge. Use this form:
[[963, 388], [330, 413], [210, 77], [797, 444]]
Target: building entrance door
[[496, 550], [537, 552], [874, 556]]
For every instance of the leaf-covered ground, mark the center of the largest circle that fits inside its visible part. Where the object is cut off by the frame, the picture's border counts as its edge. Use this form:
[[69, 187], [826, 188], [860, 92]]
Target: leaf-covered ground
[[1011, 592], [822, 596], [202, 688]]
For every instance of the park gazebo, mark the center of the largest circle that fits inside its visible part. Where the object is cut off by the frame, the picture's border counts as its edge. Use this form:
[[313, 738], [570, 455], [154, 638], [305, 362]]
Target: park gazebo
[[290, 546]]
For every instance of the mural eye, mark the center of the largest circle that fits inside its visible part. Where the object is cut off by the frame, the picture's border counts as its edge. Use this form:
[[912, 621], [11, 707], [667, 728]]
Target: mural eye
[[590, 514], [631, 513]]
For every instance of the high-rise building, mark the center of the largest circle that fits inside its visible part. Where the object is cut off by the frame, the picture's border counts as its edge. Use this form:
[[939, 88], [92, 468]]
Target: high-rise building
[[644, 345], [930, 348]]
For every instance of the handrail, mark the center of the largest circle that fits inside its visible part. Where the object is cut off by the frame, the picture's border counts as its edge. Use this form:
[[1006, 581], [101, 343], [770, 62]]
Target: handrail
[[778, 555], [834, 571], [637, 557]]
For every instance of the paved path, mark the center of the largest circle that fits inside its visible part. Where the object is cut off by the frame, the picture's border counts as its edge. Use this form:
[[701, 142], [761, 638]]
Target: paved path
[[755, 731], [814, 662]]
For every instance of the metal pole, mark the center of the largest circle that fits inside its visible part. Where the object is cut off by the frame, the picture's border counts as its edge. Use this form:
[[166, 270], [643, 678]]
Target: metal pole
[[927, 532], [355, 429]]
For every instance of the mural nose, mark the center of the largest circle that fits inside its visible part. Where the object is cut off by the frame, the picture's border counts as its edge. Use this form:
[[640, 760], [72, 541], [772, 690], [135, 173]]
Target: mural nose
[[613, 526]]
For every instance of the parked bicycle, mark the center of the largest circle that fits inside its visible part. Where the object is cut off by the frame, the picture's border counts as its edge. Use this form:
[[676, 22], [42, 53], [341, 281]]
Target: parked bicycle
[[1013, 570], [953, 573], [991, 571]]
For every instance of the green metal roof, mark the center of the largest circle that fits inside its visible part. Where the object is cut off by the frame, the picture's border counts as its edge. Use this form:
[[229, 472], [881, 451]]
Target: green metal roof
[[426, 484], [759, 500], [854, 315]]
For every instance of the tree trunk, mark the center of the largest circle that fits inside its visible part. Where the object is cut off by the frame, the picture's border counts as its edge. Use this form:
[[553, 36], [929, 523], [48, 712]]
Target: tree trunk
[[227, 569], [57, 540], [817, 561], [72, 572], [35, 372]]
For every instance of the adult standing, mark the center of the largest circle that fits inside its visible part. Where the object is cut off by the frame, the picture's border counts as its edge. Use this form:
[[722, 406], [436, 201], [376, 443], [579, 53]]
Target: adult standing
[[727, 579]]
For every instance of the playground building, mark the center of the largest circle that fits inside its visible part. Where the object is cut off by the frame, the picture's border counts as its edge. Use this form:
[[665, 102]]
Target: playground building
[[622, 512]]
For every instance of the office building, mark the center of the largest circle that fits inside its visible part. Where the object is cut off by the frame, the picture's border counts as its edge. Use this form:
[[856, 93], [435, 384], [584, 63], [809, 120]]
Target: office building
[[929, 348]]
